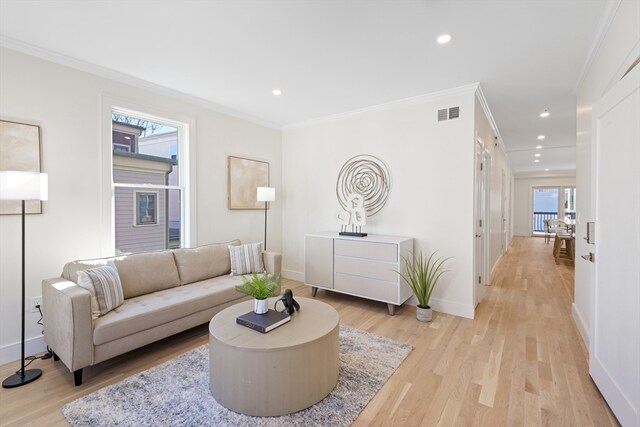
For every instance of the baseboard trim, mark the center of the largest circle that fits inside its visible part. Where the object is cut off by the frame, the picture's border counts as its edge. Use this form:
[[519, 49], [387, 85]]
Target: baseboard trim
[[447, 307], [11, 352], [580, 323], [293, 275]]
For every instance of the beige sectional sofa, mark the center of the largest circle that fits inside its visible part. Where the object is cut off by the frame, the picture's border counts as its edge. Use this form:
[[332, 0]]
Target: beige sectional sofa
[[165, 293]]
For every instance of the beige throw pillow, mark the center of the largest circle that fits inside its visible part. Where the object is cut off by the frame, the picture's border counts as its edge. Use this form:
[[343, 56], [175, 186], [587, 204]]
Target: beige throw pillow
[[246, 259], [104, 285]]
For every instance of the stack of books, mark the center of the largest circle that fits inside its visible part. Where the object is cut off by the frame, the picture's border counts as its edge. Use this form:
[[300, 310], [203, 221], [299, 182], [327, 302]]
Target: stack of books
[[263, 322]]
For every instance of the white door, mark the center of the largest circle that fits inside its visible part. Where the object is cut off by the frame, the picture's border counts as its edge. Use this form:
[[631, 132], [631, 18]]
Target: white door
[[479, 249], [614, 355]]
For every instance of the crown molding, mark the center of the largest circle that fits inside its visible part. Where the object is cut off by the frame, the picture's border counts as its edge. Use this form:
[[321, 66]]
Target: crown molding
[[107, 73], [466, 89], [492, 122], [607, 18]]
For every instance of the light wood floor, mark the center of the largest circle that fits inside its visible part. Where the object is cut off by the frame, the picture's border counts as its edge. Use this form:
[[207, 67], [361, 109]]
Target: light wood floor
[[520, 362]]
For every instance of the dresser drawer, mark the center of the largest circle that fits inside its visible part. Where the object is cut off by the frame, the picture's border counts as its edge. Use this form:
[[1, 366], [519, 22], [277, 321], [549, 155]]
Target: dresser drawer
[[369, 250], [365, 287], [366, 268]]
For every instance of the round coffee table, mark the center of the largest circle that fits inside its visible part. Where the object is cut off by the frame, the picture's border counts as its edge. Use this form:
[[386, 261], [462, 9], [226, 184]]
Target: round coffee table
[[285, 370]]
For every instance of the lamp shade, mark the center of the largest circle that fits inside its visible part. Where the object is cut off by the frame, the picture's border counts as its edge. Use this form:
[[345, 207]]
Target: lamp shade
[[19, 185], [266, 194]]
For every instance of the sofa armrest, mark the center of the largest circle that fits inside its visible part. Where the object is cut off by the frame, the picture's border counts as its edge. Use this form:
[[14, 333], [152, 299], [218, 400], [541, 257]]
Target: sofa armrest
[[272, 262], [68, 326], [273, 265]]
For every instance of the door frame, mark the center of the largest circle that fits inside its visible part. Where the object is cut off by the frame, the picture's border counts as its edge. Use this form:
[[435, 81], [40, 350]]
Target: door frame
[[481, 215]]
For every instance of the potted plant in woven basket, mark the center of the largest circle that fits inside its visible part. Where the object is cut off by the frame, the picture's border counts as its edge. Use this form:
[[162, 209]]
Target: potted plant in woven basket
[[422, 275], [260, 287]]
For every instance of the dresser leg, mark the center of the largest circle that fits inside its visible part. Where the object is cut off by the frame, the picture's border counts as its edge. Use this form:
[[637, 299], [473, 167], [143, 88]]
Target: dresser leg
[[392, 309], [314, 291]]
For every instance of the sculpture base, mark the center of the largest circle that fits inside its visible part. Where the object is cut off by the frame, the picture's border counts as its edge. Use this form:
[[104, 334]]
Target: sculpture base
[[352, 234]]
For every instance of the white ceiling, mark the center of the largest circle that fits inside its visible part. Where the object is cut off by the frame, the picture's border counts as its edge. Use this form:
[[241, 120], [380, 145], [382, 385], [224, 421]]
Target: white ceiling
[[330, 57]]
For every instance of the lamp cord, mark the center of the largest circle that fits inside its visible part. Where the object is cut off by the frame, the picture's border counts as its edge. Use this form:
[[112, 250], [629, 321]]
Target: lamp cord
[[46, 355]]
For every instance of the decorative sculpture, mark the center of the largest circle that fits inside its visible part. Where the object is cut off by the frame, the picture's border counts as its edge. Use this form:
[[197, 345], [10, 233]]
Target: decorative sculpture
[[362, 190], [355, 216]]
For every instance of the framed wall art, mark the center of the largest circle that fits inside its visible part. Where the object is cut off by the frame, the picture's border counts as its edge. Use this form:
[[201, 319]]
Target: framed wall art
[[245, 176], [19, 151]]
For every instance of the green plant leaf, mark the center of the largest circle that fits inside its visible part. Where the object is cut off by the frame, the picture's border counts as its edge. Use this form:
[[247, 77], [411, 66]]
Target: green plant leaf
[[422, 274], [259, 287]]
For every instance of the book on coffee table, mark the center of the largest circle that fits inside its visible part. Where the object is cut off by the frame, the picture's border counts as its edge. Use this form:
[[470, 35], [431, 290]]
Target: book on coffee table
[[263, 322]]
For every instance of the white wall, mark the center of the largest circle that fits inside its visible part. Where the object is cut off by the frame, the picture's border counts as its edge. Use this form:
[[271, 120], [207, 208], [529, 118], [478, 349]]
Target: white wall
[[66, 104], [617, 50], [431, 198], [523, 199]]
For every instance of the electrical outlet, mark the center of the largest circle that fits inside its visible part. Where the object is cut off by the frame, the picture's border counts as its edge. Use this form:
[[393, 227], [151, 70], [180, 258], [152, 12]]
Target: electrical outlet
[[36, 301]]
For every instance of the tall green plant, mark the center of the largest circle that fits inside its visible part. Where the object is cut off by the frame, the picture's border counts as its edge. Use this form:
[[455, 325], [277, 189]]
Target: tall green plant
[[259, 287], [423, 274]]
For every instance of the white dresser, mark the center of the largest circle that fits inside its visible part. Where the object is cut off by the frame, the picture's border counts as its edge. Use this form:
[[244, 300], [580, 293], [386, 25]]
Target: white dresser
[[361, 266]]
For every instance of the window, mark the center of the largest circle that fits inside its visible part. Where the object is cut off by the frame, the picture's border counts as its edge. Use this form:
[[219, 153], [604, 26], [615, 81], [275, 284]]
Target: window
[[148, 190], [146, 208], [552, 203]]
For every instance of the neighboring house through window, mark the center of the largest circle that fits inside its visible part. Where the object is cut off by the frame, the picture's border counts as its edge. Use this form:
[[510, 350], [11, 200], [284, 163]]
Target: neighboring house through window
[[147, 188], [146, 208]]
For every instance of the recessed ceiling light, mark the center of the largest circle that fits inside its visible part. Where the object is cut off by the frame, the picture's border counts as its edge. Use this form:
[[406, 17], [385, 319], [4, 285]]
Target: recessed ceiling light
[[541, 137], [276, 92], [444, 38], [545, 113], [538, 154], [536, 161], [538, 147], [546, 170]]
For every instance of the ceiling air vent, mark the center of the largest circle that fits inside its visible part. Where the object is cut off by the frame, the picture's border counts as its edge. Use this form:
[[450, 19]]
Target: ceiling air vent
[[448, 114]]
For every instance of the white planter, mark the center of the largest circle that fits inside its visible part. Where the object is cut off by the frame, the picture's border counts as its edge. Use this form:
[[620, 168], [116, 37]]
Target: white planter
[[423, 314], [260, 306]]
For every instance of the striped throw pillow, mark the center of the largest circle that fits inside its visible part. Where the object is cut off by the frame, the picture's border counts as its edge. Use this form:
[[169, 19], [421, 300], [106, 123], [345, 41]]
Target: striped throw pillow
[[246, 259], [104, 285]]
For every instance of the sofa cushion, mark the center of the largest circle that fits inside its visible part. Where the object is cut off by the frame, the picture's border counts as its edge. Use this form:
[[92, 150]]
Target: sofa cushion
[[71, 269], [246, 259], [148, 311], [147, 272], [104, 285], [203, 262]]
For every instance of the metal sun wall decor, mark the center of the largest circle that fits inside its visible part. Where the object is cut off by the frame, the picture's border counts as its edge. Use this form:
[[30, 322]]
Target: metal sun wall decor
[[362, 189]]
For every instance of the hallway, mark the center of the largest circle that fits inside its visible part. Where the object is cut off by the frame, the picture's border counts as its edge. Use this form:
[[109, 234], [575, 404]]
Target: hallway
[[520, 362]]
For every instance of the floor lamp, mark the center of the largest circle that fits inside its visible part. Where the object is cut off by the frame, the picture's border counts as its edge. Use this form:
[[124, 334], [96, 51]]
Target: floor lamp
[[266, 195], [23, 186]]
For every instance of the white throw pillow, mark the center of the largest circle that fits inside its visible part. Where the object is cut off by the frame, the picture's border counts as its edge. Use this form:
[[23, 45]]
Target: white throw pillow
[[246, 259], [104, 285]]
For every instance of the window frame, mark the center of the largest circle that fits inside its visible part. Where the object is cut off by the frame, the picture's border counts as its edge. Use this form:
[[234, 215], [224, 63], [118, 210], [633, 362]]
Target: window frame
[[187, 179], [136, 207]]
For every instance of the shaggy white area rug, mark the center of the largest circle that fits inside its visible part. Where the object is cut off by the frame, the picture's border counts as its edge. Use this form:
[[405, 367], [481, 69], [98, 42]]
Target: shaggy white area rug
[[176, 393]]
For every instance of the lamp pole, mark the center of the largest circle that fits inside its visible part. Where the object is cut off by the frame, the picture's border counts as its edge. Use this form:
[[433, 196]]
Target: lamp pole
[[266, 195], [265, 225], [17, 185]]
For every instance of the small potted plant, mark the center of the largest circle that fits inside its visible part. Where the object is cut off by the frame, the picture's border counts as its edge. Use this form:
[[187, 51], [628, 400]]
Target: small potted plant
[[422, 276], [260, 288]]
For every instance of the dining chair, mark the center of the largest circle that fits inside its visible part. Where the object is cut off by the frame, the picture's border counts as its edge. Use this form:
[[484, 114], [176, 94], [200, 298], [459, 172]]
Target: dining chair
[[553, 227]]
